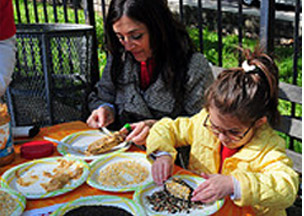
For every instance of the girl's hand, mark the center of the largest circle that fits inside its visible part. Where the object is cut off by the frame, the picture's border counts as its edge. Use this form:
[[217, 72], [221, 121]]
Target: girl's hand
[[140, 131], [162, 169], [101, 117], [215, 187]]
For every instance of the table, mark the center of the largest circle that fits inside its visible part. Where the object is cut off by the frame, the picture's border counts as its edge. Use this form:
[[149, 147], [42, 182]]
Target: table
[[61, 130]]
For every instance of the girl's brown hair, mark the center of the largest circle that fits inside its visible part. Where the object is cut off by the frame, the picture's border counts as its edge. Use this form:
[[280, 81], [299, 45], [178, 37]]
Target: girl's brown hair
[[247, 95]]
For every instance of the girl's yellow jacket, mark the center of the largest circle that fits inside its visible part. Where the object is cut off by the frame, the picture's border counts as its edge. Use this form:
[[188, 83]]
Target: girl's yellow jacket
[[268, 182]]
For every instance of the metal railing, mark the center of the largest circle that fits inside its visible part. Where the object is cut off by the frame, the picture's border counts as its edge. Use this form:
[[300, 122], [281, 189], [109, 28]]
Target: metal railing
[[51, 16], [75, 4]]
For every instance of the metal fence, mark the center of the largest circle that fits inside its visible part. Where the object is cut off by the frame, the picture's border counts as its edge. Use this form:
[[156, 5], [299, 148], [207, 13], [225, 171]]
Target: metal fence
[[52, 76], [26, 12]]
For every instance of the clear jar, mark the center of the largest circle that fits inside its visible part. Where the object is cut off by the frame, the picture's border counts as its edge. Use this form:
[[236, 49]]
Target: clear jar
[[7, 153]]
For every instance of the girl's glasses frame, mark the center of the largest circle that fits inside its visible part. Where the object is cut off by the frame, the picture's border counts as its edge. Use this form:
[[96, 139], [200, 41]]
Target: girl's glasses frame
[[227, 133]]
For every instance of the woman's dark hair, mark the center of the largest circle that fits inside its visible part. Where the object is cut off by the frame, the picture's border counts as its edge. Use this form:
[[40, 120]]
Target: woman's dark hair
[[171, 45], [247, 95]]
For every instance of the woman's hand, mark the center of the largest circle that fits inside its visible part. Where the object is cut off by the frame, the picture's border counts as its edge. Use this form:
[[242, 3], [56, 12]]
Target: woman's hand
[[101, 117], [140, 131], [162, 169], [215, 187]]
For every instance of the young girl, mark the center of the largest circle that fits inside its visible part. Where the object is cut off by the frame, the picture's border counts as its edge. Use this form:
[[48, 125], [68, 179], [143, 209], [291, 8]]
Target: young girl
[[232, 143]]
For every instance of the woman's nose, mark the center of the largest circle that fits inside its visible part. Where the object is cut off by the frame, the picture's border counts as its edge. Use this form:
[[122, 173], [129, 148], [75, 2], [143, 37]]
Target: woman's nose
[[128, 45]]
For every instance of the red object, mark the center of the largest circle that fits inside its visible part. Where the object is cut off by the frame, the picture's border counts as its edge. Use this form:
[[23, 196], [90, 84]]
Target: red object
[[7, 23], [225, 153], [146, 72], [36, 149]]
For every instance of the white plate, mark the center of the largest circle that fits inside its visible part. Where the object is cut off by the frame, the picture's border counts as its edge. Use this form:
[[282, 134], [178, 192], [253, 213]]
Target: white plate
[[103, 163], [36, 168], [19, 200], [147, 190], [124, 203], [84, 139]]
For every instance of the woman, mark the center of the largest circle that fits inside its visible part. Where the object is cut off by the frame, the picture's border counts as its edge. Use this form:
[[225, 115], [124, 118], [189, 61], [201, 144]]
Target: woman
[[152, 70]]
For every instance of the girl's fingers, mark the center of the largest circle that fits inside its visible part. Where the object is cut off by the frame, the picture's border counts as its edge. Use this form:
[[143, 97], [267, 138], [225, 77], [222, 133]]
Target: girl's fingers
[[210, 199], [161, 169], [205, 175], [155, 171], [166, 172], [159, 173], [202, 196], [201, 188]]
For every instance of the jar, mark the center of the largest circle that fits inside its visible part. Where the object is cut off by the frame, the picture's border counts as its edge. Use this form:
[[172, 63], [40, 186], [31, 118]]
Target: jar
[[7, 152]]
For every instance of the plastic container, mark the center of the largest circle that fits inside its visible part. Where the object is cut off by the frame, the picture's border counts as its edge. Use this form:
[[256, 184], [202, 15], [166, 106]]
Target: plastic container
[[7, 153], [36, 149]]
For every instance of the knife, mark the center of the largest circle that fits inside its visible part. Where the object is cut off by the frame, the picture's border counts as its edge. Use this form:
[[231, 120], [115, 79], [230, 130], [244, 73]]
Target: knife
[[74, 148]]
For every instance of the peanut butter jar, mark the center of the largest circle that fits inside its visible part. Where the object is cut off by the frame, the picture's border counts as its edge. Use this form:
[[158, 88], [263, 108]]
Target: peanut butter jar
[[7, 152]]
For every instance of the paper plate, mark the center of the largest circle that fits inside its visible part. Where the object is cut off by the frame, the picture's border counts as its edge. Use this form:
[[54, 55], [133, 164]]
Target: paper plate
[[124, 203], [35, 172], [107, 163], [147, 190], [84, 139], [18, 200]]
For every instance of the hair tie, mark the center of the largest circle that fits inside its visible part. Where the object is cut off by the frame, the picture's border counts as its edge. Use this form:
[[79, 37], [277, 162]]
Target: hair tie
[[248, 68]]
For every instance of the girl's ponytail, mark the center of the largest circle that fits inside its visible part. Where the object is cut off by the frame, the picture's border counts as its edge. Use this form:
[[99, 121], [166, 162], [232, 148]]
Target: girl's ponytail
[[248, 92]]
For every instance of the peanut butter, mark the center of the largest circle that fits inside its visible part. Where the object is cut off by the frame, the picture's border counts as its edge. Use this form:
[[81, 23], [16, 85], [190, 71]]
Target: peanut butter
[[7, 153]]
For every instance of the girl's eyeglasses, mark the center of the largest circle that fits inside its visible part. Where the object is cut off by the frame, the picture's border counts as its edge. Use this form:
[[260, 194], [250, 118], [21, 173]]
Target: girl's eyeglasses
[[231, 134]]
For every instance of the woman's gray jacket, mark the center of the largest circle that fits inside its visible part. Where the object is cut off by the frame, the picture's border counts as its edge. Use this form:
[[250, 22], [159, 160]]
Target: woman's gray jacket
[[132, 104]]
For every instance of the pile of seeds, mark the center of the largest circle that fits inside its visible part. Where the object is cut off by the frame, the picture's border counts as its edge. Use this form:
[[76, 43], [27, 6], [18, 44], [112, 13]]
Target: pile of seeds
[[162, 201], [123, 173], [7, 204]]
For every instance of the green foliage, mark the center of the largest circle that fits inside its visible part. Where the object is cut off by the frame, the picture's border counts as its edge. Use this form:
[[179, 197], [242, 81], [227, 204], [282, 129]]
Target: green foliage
[[282, 54]]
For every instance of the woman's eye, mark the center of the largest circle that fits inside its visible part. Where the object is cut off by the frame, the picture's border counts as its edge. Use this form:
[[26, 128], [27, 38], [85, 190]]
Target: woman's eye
[[136, 36], [121, 38]]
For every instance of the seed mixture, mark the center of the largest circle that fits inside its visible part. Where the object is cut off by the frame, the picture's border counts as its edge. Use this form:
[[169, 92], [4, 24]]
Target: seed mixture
[[123, 173], [162, 201], [98, 211], [7, 204], [175, 198]]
